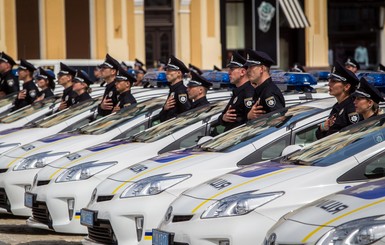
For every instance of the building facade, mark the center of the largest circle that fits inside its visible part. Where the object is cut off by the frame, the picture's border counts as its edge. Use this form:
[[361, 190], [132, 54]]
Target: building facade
[[202, 32]]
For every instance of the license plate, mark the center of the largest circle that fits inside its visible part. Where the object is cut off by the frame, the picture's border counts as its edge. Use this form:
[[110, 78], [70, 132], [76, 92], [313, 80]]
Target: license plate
[[162, 237], [87, 217], [29, 199]]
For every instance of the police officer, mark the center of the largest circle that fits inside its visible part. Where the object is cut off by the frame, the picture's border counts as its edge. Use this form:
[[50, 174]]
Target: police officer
[[342, 83], [194, 69], [139, 76], [109, 70], [235, 113], [197, 89], [81, 86], [8, 82], [138, 64], [64, 78], [367, 99], [177, 100], [29, 93], [45, 82], [267, 96], [297, 68], [123, 85], [352, 65]]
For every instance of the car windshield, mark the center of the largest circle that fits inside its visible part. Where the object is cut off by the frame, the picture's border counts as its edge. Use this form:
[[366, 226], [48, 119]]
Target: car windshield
[[257, 129], [121, 117], [29, 110], [7, 100], [181, 121], [66, 114], [341, 145]]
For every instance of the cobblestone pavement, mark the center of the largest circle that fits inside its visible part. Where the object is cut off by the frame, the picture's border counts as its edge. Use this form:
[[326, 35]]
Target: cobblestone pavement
[[14, 231]]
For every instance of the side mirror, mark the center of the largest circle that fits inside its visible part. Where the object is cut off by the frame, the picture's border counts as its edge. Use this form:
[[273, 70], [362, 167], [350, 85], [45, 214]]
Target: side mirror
[[204, 139], [290, 149]]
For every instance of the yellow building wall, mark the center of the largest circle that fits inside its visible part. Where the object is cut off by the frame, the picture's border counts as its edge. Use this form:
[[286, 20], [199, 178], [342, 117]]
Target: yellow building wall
[[317, 42], [8, 42], [53, 32]]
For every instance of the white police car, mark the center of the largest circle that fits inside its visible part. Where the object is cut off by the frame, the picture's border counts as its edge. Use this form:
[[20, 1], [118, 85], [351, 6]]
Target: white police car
[[65, 186], [240, 207], [122, 208], [19, 166], [352, 216]]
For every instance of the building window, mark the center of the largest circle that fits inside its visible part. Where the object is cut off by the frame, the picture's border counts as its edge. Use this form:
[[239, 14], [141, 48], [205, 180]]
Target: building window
[[235, 25]]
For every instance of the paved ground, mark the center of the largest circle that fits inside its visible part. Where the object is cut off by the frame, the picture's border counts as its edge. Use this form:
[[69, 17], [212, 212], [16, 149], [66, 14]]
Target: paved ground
[[14, 231]]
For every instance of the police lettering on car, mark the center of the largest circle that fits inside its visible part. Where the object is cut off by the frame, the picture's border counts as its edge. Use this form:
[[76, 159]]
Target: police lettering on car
[[268, 97], [109, 69], [342, 83], [235, 113], [197, 89], [29, 93], [8, 82], [177, 100]]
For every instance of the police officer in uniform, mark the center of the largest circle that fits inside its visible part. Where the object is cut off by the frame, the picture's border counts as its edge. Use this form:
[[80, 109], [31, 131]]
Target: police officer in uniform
[[177, 100], [342, 83], [8, 82], [65, 77], [240, 103], [367, 99], [267, 96], [81, 85], [197, 89], [109, 70], [352, 65], [123, 85], [29, 93], [45, 82]]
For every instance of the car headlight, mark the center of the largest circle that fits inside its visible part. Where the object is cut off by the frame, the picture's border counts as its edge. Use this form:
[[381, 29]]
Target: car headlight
[[38, 160], [239, 204], [84, 171], [153, 185], [356, 232]]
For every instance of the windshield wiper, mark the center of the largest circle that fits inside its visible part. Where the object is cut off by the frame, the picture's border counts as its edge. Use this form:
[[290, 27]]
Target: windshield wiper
[[208, 149], [297, 162]]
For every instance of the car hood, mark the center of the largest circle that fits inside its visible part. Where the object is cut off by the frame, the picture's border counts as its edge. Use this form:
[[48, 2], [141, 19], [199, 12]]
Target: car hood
[[354, 203], [252, 178], [167, 163]]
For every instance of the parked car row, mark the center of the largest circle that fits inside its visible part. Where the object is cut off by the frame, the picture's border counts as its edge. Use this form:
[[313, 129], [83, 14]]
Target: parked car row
[[129, 179]]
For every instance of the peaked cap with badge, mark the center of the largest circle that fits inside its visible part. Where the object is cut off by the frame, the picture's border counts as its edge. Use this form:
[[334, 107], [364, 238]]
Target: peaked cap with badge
[[25, 65], [176, 65], [236, 61], [6, 58], [255, 57], [381, 68], [66, 70], [367, 90], [194, 69], [341, 74], [82, 76], [352, 62], [138, 63], [124, 75], [198, 80], [110, 62]]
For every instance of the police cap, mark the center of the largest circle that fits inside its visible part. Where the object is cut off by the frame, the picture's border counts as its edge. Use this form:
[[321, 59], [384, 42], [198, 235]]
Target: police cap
[[198, 80], [381, 68], [110, 62], [66, 70], [367, 90], [255, 57], [236, 61], [82, 76], [194, 69], [6, 58], [25, 65], [352, 62], [47, 75], [138, 63], [340, 73], [216, 68], [176, 65], [124, 75], [297, 68]]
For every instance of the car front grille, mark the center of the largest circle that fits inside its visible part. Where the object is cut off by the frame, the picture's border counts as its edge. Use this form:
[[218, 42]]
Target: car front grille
[[41, 214], [102, 232], [4, 203], [42, 182], [104, 198], [181, 218]]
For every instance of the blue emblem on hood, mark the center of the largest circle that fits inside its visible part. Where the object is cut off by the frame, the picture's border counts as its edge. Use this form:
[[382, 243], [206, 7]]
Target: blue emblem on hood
[[372, 190], [258, 169], [107, 145], [55, 137], [171, 156], [11, 130]]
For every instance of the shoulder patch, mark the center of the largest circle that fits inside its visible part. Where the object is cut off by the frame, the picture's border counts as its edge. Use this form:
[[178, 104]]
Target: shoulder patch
[[249, 102], [354, 117], [32, 93], [182, 98], [270, 102], [73, 100], [10, 82]]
